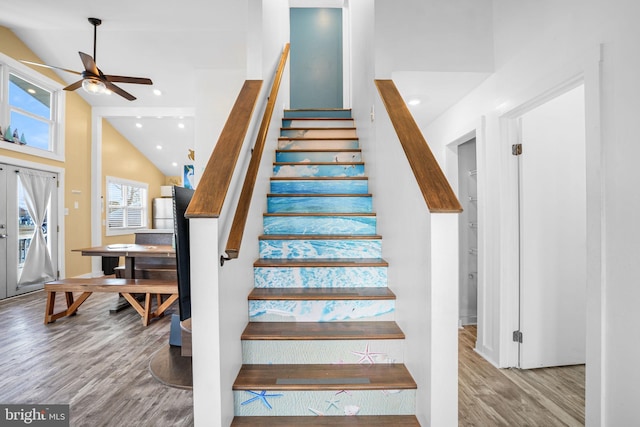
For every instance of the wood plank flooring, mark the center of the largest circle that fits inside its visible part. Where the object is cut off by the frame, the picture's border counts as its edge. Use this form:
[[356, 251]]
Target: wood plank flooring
[[96, 362], [488, 396]]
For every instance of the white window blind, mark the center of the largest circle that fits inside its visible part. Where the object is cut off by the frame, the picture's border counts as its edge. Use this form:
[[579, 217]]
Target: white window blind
[[126, 205]]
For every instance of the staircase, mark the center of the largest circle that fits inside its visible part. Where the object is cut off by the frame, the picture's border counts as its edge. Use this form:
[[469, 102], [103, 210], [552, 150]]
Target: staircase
[[322, 346]]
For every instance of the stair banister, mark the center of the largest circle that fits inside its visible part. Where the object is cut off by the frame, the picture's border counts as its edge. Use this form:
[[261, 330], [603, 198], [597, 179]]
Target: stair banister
[[433, 184], [242, 211], [212, 188]]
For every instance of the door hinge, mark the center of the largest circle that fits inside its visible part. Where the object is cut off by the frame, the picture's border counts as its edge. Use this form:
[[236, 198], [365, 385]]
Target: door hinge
[[516, 149], [517, 336], [58, 228]]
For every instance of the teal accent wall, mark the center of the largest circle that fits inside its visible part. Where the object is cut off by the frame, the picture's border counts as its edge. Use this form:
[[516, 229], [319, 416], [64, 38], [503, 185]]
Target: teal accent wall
[[316, 58]]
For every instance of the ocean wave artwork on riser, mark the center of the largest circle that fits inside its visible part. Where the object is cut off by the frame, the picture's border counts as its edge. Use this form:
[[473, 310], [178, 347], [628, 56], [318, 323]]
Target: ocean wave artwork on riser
[[318, 144], [317, 225], [298, 249], [319, 133], [320, 156], [315, 170], [320, 277], [314, 186], [302, 123], [320, 204], [320, 310]]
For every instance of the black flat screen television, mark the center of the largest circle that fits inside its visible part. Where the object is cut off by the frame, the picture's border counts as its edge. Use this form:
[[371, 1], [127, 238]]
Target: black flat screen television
[[181, 198]]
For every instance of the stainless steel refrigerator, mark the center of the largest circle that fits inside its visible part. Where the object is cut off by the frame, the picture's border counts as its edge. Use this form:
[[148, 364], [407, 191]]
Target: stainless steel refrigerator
[[163, 213]]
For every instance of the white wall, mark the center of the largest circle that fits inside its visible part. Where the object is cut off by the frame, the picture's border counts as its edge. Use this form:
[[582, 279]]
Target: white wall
[[217, 327], [540, 45], [433, 35]]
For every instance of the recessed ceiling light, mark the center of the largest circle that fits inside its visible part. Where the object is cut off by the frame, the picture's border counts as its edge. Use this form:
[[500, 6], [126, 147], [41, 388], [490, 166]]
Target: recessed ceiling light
[[138, 125], [413, 102], [159, 147], [181, 125], [31, 90], [174, 164], [157, 92]]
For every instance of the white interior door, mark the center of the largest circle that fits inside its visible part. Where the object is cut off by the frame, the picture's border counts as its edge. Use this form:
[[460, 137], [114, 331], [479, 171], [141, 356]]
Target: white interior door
[[553, 233]]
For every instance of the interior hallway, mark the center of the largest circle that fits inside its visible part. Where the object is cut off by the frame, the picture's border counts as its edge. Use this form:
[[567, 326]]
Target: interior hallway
[[488, 396]]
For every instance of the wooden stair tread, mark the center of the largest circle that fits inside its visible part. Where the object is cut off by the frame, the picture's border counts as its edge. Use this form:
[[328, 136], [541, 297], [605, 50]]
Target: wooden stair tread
[[319, 214], [386, 376], [321, 262], [320, 237], [328, 421], [320, 150], [317, 163], [324, 138], [322, 331], [320, 118], [319, 195], [318, 128], [379, 293], [318, 178]]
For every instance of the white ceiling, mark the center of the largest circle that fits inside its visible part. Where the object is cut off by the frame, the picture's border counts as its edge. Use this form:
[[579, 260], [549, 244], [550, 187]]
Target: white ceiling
[[168, 42], [164, 41]]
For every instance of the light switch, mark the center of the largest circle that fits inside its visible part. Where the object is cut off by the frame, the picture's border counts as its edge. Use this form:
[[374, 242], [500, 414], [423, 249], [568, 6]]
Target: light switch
[[75, 205]]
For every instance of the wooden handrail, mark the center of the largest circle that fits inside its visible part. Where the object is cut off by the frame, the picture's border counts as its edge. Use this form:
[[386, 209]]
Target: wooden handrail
[[212, 188], [434, 185], [242, 211]]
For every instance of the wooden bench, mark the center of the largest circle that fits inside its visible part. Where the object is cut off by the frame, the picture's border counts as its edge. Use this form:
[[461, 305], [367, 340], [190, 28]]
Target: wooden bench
[[126, 287]]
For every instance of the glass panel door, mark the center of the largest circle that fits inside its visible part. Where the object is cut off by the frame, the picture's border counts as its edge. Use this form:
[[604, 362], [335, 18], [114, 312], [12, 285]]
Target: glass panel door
[[3, 232], [28, 252]]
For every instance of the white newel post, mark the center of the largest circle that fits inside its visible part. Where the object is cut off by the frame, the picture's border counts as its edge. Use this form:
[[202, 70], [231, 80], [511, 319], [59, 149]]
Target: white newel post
[[444, 320], [205, 322]]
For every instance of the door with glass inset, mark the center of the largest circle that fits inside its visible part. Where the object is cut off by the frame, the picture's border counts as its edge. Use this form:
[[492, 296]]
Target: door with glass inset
[[29, 229]]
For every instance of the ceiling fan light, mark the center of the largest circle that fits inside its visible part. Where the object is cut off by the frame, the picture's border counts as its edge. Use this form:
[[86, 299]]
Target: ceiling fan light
[[95, 87]]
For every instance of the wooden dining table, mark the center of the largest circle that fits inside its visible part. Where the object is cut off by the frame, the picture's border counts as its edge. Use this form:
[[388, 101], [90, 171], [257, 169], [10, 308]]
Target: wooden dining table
[[130, 251]]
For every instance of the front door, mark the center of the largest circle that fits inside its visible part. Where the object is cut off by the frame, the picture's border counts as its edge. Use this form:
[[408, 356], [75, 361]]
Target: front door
[[28, 229], [553, 233]]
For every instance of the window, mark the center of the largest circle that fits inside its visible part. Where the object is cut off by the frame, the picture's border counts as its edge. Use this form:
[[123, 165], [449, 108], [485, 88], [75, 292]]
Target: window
[[31, 112], [126, 206]]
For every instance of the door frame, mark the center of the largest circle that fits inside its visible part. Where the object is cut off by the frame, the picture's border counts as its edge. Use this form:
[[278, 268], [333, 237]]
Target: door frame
[[510, 128], [587, 70], [10, 161]]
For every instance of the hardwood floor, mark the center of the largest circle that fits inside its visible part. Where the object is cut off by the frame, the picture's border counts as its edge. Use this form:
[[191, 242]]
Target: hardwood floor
[[488, 396], [96, 362]]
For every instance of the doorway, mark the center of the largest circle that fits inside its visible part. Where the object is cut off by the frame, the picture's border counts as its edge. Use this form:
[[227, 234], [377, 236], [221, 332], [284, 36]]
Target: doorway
[[316, 65], [552, 233], [28, 229], [468, 233]]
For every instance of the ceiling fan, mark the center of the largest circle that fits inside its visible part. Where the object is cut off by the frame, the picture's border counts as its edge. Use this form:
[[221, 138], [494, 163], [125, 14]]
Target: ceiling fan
[[93, 80]]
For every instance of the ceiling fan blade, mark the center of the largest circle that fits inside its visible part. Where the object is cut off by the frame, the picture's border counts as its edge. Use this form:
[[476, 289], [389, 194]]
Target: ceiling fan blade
[[89, 64], [74, 86], [126, 79], [51, 67], [119, 91]]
